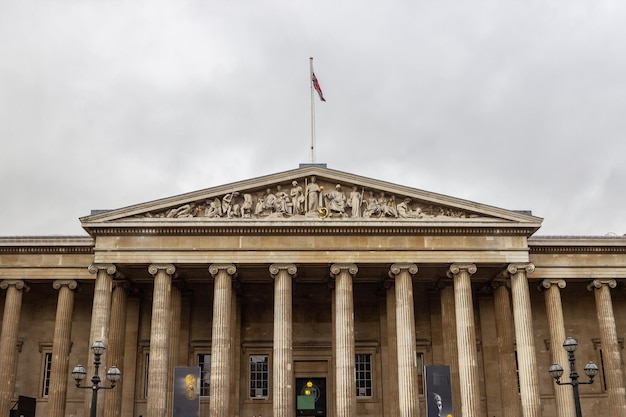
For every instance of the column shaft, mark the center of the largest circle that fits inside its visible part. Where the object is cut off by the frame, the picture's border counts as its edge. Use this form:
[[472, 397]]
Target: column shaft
[[283, 387], [159, 340], [505, 335], [556, 324], [610, 347], [174, 345], [8, 340], [220, 341], [527, 360], [344, 342], [450, 347], [391, 394], [466, 339], [407, 350], [61, 343], [100, 316], [117, 339]]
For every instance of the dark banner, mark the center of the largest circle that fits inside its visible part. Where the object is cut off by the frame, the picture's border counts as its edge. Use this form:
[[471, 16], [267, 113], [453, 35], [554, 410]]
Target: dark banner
[[186, 391], [438, 391], [311, 397]]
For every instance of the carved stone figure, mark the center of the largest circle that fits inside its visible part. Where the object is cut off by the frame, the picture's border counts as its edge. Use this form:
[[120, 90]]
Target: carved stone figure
[[313, 191], [186, 210], [297, 198], [336, 201], [246, 207], [405, 211], [259, 207], [373, 207], [269, 202], [387, 207], [229, 207], [214, 209], [281, 205], [355, 200]]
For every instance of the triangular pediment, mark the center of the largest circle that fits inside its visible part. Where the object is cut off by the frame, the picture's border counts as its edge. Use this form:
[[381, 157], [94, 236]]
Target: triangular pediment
[[310, 194]]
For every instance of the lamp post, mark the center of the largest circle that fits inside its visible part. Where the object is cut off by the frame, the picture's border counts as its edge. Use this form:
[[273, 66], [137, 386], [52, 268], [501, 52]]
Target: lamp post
[[556, 371], [79, 373]]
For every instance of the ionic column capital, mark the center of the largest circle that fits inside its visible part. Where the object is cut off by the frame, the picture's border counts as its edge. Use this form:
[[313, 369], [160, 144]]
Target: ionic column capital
[[276, 268], [513, 269], [69, 283], [547, 283], [17, 283], [456, 269], [336, 269], [168, 268], [109, 268], [598, 283], [230, 269], [398, 268]]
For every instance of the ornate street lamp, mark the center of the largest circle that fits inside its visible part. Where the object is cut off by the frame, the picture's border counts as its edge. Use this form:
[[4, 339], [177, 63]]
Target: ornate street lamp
[[556, 371], [79, 373]]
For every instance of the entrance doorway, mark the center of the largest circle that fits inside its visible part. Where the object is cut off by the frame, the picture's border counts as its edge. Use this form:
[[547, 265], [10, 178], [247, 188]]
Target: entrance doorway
[[311, 397]]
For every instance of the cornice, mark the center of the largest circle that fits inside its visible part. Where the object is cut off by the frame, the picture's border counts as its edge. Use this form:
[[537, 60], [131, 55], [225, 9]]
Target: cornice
[[47, 245], [312, 230], [577, 245]]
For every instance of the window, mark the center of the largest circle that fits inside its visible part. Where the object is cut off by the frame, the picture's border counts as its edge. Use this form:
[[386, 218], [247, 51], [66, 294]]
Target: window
[[602, 374], [519, 386], [363, 366], [47, 368], [420, 373], [45, 348], [204, 362], [145, 374], [259, 376]]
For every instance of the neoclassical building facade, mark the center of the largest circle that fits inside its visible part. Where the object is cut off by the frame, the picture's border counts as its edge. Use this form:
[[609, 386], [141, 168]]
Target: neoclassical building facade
[[312, 282]]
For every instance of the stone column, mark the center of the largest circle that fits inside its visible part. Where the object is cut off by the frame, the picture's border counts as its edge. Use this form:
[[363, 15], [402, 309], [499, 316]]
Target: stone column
[[61, 343], [220, 340], [174, 345], [117, 341], [450, 347], [283, 387], [526, 358], [554, 310], [610, 348], [407, 350], [390, 388], [158, 370], [466, 338], [505, 335], [344, 339], [100, 316], [8, 339]]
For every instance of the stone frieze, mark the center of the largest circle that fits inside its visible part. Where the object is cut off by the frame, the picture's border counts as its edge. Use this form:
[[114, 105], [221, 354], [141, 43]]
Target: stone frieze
[[308, 198]]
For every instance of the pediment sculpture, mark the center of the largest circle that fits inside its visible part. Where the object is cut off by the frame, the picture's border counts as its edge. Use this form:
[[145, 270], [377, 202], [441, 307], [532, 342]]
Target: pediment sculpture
[[309, 198]]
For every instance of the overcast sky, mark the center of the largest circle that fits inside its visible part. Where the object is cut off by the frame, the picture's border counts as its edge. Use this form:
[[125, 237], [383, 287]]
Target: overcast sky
[[518, 104]]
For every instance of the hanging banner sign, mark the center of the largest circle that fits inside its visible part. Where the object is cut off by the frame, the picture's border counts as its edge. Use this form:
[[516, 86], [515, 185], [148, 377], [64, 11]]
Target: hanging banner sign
[[186, 392], [438, 391]]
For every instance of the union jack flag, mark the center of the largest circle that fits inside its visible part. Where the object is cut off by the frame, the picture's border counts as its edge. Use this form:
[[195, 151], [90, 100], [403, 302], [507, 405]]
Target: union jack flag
[[317, 87]]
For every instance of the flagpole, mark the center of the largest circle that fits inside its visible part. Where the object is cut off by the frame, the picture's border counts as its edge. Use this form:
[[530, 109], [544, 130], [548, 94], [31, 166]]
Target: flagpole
[[312, 149]]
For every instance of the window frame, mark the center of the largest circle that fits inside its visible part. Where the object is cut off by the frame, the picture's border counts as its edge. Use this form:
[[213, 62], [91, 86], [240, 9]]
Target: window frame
[[266, 373], [205, 389], [197, 348], [45, 348], [367, 379]]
